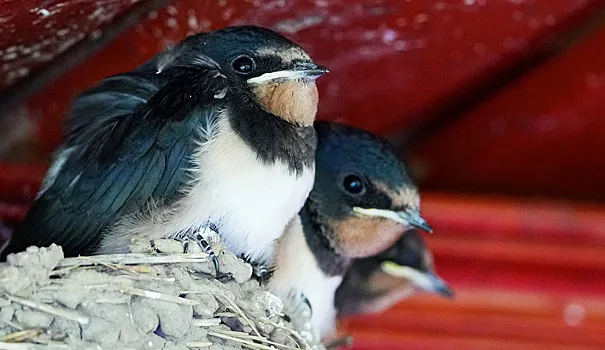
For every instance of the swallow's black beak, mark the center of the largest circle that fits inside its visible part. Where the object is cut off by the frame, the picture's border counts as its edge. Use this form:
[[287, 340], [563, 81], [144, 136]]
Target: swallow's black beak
[[426, 281], [408, 217], [299, 70], [310, 69], [413, 218], [442, 288]]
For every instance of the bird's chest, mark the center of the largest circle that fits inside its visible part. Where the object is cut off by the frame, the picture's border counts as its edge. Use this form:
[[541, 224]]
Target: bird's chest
[[298, 272], [321, 297], [319, 290], [249, 201]]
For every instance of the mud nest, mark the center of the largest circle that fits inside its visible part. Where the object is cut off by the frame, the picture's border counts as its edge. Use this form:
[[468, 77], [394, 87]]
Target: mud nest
[[153, 298]]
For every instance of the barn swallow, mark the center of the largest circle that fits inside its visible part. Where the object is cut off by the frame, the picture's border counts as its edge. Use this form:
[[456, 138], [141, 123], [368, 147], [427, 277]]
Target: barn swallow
[[214, 132], [378, 282], [362, 201]]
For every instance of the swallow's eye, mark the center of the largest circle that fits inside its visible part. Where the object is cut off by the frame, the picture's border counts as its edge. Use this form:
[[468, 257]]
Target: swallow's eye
[[243, 64], [353, 184]]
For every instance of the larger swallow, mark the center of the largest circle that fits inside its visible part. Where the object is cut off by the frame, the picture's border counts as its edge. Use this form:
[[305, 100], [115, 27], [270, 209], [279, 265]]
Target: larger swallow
[[215, 132]]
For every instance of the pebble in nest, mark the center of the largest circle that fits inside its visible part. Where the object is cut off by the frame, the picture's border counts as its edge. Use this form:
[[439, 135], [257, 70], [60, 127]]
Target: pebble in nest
[[362, 202], [215, 132]]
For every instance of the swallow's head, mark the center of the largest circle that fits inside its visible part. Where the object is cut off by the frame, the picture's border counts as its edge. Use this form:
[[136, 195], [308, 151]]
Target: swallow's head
[[410, 260], [275, 71], [376, 283], [362, 193]]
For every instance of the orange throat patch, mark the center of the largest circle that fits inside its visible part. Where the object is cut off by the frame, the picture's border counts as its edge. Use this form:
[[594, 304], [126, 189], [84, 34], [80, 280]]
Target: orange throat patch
[[293, 101], [359, 237]]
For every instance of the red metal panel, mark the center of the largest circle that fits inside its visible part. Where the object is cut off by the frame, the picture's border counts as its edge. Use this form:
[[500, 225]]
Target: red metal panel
[[481, 319], [391, 61], [33, 32], [515, 219], [20, 182], [542, 135]]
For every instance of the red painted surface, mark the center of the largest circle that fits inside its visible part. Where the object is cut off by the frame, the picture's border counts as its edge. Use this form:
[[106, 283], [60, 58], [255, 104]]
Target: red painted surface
[[515, 219], [484, 319], [20, 182], [543, 135], [33, 32], [392, 62]]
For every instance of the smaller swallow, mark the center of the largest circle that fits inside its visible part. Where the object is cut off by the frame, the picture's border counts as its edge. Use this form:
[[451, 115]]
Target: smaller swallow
[[361, 203], [376, 283]]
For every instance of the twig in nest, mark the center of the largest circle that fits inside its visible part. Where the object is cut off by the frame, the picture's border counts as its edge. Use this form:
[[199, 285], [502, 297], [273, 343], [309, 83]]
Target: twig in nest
[[134, 259], [206, 322], [250, 344], [59, 284], [136, 271], [30, 346], [21, 335], [291, 331], [241, 313], [199, 344], [242, 335], [157, 296], [68, 314], [64, 270]]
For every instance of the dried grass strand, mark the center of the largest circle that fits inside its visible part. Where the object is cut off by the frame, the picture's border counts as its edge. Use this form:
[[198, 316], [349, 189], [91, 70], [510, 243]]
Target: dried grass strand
[[243, 314], [64, 313], [133, 259], [20, 336]]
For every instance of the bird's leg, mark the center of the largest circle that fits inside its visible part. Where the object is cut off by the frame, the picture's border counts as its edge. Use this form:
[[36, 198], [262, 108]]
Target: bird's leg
[[203, 243], [262, 272], [208, 250]]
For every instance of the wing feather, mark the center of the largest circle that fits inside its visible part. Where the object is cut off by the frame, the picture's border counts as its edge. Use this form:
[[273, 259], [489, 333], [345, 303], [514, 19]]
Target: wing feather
[[136, 152]]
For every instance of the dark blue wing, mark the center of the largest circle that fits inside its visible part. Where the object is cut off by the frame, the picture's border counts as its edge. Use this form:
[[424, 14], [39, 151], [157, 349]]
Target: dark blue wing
[[115, 163]]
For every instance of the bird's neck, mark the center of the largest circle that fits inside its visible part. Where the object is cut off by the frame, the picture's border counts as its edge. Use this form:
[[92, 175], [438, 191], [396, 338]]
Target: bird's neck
[[330, 262], [293, 101], [273, 139]]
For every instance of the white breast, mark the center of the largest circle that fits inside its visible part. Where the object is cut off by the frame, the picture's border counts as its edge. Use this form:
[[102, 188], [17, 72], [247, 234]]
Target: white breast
[[297, 271], [251, 202], [248, 201]]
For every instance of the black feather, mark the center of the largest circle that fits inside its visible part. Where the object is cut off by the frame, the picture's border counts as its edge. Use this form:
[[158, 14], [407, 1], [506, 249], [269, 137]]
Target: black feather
[[127, 161]]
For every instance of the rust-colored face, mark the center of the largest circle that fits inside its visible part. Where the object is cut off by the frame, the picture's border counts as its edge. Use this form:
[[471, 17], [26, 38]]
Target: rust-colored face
[[387, 292], [368, 231], [361, 236], [293, 100], [381, 282]]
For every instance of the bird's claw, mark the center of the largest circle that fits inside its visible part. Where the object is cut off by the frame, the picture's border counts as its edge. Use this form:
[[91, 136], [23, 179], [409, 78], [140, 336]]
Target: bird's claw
[[262, 273], [224, 277], [203, 243]]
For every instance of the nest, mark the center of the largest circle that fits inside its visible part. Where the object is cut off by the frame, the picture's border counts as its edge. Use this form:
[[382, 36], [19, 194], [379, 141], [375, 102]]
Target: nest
[[142, 300]]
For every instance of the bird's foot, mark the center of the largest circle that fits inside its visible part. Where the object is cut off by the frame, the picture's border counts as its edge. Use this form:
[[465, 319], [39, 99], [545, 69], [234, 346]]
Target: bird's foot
[[207, 248], [262, 273]]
